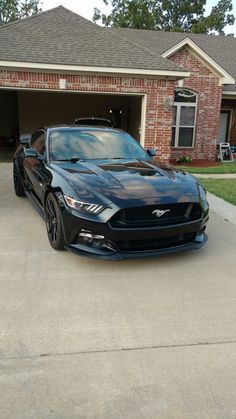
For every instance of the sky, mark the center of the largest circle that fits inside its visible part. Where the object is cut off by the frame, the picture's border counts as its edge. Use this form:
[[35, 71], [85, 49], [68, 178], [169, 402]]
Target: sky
[[85, 8]]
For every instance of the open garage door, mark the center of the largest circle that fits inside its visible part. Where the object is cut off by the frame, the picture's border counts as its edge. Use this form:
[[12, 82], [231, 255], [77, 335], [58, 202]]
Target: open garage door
[[9, 124], [25, 111]]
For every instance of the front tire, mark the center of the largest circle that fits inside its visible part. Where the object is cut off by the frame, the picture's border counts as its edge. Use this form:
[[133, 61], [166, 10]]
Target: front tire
[[54, 223], [18, 184]]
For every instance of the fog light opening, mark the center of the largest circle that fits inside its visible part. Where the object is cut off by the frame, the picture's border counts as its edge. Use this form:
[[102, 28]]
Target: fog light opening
[[200, 236]]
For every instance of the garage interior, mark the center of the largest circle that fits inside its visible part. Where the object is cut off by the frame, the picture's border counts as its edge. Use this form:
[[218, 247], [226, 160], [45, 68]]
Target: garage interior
[[24, 111]]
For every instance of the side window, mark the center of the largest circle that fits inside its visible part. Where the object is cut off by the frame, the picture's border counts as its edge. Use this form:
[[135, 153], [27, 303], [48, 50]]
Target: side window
[[38, 142]]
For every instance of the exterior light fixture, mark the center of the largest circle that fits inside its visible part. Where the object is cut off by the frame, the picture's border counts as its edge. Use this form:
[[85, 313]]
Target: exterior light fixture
[[167, 103]]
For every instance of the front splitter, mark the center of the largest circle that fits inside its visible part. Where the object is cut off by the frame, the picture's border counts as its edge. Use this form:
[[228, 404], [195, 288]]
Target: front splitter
[[115, 255]]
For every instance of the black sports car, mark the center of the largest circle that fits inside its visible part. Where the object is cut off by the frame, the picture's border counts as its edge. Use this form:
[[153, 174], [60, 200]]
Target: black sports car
[[101, 195]]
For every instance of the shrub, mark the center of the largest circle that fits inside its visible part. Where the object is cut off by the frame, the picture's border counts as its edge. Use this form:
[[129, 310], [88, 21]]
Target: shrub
[[184, 160]]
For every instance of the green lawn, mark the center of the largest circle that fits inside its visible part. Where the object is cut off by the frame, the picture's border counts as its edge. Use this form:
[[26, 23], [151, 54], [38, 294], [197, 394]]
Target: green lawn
[[224, 188], [222, 168]]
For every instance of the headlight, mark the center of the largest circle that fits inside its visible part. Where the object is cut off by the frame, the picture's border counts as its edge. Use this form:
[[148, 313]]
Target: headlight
[[83, 206], [203, 198], [203, 194]]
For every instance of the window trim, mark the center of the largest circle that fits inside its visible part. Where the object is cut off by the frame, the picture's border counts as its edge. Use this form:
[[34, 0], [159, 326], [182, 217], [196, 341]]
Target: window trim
[[177, 125]]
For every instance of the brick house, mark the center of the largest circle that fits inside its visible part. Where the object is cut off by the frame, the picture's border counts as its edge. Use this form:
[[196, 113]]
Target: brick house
[[171, 91]]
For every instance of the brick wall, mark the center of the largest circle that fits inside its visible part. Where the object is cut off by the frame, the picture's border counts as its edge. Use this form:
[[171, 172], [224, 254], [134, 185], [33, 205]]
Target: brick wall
[[158, 118], [206, 84]]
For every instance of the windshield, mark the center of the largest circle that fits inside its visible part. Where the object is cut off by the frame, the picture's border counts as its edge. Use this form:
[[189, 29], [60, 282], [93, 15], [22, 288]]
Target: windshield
[[94, 144]]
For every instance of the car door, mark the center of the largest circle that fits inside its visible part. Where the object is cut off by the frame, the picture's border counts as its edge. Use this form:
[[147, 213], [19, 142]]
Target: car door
[[35, 166]]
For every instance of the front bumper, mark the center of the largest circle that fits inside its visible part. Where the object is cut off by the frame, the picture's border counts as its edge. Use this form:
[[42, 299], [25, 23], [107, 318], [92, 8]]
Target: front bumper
[[167, 239], [84, 251]]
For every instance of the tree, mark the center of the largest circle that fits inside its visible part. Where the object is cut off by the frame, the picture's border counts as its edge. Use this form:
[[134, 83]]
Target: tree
[[11, 10], [217, 20], [167, 15]]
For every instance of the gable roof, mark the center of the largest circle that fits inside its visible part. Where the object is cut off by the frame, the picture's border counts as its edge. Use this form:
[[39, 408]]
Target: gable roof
[[221, 49], [225, 77], [61, 39]]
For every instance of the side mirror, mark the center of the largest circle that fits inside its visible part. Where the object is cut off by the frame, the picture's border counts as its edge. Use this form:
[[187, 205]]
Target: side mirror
[[152, 152], [32, 153]]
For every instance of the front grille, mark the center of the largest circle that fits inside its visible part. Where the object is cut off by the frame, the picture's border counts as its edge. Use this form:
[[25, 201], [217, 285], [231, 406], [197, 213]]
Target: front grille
[[141, 217], [155, 244]]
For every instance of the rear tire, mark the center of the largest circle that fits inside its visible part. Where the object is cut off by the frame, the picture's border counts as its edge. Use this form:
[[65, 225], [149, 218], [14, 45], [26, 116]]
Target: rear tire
[[18, 184], [54, 223]]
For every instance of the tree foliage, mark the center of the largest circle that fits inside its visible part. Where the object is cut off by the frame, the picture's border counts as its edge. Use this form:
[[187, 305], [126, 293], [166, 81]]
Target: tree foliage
[[167, 15], [11, 10]]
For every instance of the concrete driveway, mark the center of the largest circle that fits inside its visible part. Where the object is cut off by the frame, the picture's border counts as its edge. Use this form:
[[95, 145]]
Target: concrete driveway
[[87, 339]]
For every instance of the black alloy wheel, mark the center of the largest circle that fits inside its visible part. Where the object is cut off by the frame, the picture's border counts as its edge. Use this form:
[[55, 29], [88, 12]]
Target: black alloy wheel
[[18, 184], [54, 223]]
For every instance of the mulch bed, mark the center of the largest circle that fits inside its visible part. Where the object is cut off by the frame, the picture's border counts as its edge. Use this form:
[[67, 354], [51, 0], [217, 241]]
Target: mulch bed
[[197, 163]]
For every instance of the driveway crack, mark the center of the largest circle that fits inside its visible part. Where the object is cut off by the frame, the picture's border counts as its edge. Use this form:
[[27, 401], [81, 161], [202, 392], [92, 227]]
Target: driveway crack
[[101, 351]]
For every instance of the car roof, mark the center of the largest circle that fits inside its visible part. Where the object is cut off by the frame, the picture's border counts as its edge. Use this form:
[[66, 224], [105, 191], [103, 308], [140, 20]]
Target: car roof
[[81, 128], [25, 135], [92, 118]]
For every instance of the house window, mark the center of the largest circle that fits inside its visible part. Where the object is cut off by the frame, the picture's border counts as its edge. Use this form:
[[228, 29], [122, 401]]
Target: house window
[[183, 128]]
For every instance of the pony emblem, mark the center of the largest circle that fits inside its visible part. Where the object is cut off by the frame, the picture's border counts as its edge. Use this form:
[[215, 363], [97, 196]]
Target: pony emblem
[[159, 213]]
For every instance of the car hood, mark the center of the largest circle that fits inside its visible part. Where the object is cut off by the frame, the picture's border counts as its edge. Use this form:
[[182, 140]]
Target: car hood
[[128, 182]]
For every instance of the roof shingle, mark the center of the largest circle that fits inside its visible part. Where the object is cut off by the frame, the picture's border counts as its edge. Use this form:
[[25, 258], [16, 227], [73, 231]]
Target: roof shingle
[[60, 36]]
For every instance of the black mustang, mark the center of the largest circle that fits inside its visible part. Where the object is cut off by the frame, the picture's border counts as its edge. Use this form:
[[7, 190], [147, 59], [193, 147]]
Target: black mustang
[[101, 195]]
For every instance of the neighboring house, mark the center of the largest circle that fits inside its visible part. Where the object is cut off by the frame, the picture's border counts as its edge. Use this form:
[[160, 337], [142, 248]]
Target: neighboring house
[[172, 91]]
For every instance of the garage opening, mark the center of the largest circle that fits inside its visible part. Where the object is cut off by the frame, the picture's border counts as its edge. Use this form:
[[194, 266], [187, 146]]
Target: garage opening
[[9, 124], [24, 111]]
